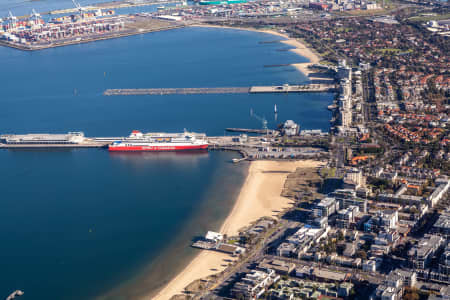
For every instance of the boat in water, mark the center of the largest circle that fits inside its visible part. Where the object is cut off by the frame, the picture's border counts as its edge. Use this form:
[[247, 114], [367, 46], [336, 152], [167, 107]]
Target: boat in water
[[138, 141]]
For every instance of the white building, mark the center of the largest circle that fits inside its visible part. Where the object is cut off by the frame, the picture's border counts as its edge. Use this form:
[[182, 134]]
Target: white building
[[291, 128]]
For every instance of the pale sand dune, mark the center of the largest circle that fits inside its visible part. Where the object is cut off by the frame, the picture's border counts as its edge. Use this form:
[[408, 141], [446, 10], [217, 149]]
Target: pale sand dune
[[259, 196]]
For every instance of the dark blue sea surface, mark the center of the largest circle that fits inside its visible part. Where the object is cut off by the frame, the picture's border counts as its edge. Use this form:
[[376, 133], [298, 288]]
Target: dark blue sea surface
[[77, 224]]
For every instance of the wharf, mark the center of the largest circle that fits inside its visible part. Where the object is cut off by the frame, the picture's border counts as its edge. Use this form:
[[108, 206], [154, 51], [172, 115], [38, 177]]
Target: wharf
[[205, 245], [58, 146], [306, 88], [179, 91]]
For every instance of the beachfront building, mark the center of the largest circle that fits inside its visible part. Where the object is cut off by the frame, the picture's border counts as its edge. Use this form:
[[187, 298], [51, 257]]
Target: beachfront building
[[347, 198], [254, 284], [353, 178], [214, 236], [326, 207], [346, 217]]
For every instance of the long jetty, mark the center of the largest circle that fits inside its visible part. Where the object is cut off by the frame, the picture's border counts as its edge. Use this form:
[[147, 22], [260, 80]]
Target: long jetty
[[305, 88], [171, 91]]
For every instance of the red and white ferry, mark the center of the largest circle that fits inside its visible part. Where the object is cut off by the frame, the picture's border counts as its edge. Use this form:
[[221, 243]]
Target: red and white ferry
[[138, 141]]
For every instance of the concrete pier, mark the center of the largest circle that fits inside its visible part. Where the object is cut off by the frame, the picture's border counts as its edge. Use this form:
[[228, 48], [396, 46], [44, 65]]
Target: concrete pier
[[306, 88], [179, 91]]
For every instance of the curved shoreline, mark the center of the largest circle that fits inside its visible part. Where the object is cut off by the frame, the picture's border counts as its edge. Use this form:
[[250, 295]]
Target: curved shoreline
[[299, 48]]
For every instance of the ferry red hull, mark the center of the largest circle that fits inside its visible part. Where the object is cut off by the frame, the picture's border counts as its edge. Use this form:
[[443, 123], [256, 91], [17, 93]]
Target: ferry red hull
[[157, 148]]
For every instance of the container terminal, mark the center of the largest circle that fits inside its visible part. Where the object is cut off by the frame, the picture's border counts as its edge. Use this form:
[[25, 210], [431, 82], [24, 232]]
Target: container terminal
[[34, 33]]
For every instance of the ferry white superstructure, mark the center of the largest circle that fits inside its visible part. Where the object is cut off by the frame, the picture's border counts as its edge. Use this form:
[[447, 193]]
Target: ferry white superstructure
[[138, 141]]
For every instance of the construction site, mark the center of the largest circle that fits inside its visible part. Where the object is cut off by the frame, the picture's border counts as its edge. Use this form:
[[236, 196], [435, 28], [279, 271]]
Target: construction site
[[35, 33]]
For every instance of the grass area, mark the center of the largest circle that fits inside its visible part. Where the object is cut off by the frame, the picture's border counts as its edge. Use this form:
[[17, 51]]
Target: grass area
[[344, 29], [326, 62], [425, 18], [393, 51], [362, 12], [389, 50], [325, 53], [328, 172]]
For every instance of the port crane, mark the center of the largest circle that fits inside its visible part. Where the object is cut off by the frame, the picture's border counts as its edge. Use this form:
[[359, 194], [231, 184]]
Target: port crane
[[12, 18], [79, 7], [36, 16]]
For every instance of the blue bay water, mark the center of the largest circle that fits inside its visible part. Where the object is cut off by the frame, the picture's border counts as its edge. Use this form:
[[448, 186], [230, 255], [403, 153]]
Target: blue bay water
[[78, 223]]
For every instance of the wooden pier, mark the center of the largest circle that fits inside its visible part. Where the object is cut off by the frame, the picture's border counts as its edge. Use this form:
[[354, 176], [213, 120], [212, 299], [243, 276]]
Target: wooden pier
[[305, 88]]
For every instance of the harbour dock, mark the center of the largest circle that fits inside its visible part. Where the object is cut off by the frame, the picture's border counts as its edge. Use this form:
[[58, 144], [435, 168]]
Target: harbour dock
[[286, 88], [249, 147], [46, 140], [92, 144]]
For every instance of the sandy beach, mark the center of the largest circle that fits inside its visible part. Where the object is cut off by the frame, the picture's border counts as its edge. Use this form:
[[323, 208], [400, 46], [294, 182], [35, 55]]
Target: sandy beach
[[300, 48], [259, 196]]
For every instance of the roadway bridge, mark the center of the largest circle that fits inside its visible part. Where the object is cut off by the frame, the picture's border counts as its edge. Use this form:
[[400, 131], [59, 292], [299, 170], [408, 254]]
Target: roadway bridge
[[286, 88]]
